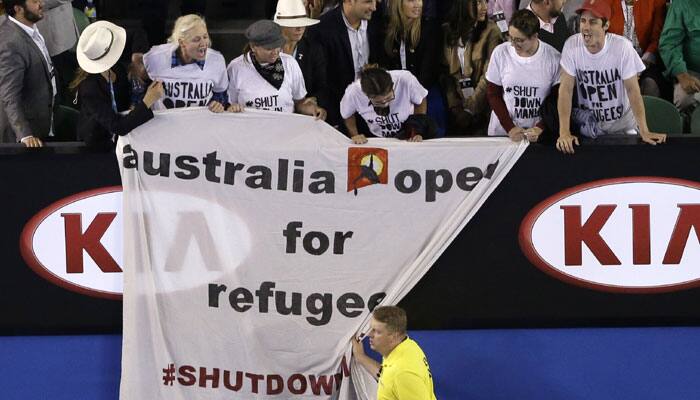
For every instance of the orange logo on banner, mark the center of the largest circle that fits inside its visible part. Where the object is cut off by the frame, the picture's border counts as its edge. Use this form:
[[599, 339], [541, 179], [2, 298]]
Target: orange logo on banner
[[367, 166]]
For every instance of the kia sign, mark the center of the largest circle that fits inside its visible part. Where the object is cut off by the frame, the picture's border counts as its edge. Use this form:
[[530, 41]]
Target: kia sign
[[76, 243], [634, 235]]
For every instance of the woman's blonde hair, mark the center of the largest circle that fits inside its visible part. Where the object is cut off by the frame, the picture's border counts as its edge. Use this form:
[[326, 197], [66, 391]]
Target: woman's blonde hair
[[183, 25], [400, 28]]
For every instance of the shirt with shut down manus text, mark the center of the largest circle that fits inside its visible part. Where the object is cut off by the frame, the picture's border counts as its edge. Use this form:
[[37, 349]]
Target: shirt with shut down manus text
[[408, 93], [405, 374], [249, 89], [526, 82], [600, 80], [189, 85]]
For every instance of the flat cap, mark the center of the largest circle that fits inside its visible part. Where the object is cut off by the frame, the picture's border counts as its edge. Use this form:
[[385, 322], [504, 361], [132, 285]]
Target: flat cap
[[265, 33]]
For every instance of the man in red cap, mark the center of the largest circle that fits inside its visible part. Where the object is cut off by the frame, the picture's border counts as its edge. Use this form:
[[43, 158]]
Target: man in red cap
[[604, 67]]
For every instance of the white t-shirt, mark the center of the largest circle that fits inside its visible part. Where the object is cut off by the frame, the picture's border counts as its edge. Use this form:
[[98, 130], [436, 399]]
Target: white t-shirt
[[248, 88], [599, 80], [408, 93], [185, 85], [526, 82]]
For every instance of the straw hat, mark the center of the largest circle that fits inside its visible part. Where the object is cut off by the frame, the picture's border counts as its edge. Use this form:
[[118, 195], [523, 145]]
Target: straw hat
[[292, 14], [100, 46]]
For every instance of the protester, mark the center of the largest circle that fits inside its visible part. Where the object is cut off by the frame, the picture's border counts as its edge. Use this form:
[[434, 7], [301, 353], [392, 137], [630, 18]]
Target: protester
[[384, 100], [404, 372], [410, 41], [27, 81], [306, 51], [553, 28], [680, 51], [641, 22], [604, 67], [192, 73], [265, 78], [469, 40], [103, 89], [350, 37], [528, 69]]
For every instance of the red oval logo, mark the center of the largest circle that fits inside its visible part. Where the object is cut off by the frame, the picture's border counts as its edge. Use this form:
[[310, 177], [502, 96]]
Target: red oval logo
[[76, 243], [625, 235]]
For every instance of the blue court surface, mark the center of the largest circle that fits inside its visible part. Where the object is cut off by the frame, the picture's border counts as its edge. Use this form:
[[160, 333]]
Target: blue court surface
[[620, 363]]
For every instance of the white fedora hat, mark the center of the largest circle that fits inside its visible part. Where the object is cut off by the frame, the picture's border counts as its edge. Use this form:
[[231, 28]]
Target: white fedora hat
[[292, 14], [100, 46]]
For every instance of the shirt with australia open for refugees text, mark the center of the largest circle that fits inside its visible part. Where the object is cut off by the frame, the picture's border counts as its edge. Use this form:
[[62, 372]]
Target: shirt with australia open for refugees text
[[185, 85], [600, 80], [408, 93]]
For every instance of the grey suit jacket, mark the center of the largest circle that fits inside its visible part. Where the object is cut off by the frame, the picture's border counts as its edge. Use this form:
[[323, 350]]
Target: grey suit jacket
[[26, 95], [58, 26]]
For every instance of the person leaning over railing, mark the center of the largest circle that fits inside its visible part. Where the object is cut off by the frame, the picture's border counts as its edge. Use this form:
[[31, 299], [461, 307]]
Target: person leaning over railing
[[193, 74], [387, 101], [264, 78], [528, 69], [604, 68], [102, 87]]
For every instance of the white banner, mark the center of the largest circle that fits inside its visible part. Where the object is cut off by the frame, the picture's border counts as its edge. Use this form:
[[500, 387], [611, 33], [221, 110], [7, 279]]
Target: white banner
[[256, 244]]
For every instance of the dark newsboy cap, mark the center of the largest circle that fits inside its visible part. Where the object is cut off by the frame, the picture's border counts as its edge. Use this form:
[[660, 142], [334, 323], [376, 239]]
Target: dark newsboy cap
[[265, 33]]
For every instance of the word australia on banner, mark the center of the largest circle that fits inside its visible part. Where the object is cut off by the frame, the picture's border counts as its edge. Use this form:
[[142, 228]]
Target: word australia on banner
[[256, 244]]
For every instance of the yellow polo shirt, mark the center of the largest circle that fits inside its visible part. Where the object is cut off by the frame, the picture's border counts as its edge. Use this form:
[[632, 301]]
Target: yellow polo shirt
[[405, 374]]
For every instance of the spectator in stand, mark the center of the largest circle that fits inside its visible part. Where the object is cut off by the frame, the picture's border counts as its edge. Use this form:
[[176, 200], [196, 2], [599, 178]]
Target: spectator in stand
[[569, 11], [265, 78], [469, 40], [410, 41], [27, 81], [103, 89], [604, 67], [501, 11], [384, 100], [316, 8], [680, 50], [192, 73], [307, 52], [350, 38], [553, 28], [641, 21], [60, 31], [528, 69]]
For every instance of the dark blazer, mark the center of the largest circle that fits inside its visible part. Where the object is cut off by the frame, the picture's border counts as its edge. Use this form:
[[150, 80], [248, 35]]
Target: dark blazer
[[26, 96], [313, 66], [98, 121], [424, 60], [332, 34], [558, 38]]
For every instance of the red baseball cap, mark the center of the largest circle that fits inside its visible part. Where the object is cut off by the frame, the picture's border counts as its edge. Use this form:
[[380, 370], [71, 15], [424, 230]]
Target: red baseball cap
[[599, 8]]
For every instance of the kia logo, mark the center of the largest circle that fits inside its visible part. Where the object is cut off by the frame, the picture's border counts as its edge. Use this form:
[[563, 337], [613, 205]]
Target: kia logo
[[630, 235], [76, 243]]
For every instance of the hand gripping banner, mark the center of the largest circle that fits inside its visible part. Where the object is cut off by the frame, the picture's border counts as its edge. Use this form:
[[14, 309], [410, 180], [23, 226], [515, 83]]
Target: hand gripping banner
[[256, 244]]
